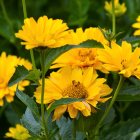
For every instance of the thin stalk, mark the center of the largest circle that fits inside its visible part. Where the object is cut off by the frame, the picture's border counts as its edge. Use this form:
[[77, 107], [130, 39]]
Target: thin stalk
[[42, 92], [113, 18], [109, 107], [31, 51], [73, 130]]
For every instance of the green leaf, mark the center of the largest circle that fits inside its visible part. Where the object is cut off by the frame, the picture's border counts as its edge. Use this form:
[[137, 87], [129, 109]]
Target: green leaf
[[52, 54], [20, 74], [65, 128], [131, 93], [34, 75], [29, 102], [128, 130], [30, 123], [62, 101]]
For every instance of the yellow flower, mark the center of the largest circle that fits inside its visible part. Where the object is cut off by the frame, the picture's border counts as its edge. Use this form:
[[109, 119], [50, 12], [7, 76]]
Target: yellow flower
[[120, 59], [18, 133], [137, 25], [79, 57], [43, 33], [74, 83], [120, 9], [91, 33], [82, 57], [7, 69]]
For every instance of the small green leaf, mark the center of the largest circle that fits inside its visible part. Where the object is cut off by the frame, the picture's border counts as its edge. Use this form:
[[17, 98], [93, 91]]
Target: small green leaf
[[52, 54], [20, 74], [29, 102], [62, 101], [30, 123], [34, 75], [131, 93]]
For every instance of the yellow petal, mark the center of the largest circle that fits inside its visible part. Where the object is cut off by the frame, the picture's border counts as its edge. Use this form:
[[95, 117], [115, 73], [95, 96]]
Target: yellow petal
[[79, 105], [72, 111], [59, 112]]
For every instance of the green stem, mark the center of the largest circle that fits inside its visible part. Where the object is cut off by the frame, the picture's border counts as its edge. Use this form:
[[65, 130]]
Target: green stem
[[73, 130], [42, 91], [31, 51], [113, 18], [24, 9], [109, 107]]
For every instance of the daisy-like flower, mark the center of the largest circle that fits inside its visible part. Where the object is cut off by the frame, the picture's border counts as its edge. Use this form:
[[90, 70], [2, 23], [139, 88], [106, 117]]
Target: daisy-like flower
[[120, 9], [74, 83], [7, 69], [18, 133], [137, 25], [46, 32], [120, 59], [79, 57], [82, 57]]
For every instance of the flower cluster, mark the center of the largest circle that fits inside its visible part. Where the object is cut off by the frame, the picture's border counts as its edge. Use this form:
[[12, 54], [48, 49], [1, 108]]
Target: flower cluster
[[18, 133], [7, 68], [77, 76]]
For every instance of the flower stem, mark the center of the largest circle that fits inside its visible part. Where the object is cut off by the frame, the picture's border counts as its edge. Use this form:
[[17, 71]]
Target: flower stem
[[109, 107], [73, 130], [31, 51], [113, 18], [42, 92]]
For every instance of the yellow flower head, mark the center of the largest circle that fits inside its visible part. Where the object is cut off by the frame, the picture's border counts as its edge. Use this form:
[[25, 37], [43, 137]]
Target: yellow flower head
[[18, 133], [79, 57], [74, 83], [91, 33], [120, 59], [137, 25], [7, 69], [120, 9], [43, 33]]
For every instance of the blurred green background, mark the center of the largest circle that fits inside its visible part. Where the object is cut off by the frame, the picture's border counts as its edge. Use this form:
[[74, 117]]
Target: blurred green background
[[76, 13]]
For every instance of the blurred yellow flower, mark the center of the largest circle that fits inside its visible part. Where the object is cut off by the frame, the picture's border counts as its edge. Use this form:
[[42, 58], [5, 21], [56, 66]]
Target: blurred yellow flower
[[120, 59], [74, 83], [18, 133], [43, 33], [120, 9], [79, 57], [7, 69], [137, 25]]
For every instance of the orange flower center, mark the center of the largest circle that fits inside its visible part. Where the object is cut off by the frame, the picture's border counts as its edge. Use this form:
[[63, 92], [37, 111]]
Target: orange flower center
[[75, 90], [84, 55]]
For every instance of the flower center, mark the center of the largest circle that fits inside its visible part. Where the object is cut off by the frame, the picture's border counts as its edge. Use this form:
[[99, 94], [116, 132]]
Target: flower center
[[75, 90], [124, 63], [86, 54]]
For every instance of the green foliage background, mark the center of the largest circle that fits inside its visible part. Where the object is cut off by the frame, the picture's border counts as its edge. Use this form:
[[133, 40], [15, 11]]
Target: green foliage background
[[77, 13]]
